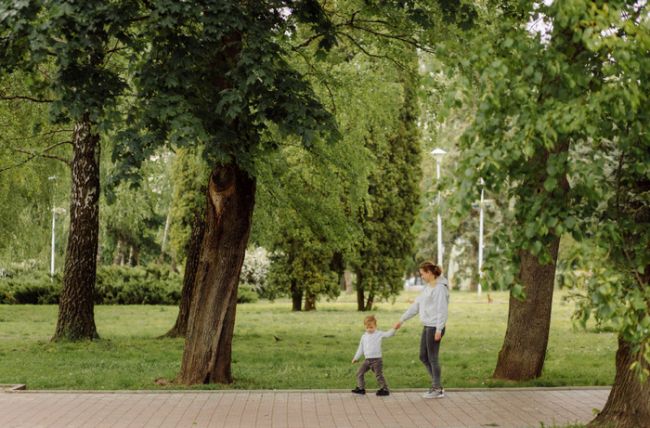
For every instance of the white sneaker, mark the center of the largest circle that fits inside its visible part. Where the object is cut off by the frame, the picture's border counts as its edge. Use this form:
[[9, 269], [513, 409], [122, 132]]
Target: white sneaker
[[434, 393]]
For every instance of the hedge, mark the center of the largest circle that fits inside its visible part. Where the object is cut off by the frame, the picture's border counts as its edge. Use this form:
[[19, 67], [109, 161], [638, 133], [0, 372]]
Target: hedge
[[116, 285]]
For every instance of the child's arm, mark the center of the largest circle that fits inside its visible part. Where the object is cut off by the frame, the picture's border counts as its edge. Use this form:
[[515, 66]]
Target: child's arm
[[359, 351], [389, 333]]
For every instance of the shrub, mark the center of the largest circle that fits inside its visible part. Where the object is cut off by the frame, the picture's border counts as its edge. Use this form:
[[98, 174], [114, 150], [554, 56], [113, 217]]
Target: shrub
[[116, 285], [154, 285], [254, 270], [30, 287], [246, 294]]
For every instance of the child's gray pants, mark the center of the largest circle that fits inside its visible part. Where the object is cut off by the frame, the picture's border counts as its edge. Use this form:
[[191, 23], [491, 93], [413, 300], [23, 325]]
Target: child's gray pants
[[374, 364]]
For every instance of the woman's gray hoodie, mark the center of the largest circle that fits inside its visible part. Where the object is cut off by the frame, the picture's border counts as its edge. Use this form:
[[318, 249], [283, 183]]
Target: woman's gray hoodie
[[431, 304]]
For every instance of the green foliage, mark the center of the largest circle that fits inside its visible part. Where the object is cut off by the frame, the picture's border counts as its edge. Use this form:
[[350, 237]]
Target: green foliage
[[30, 287], [559, 133], [389, 209], [152, 284], [215, 75], [116, 285], [246, 294], [62, 54], [189, 175], [26, 193], [301, 261], [73, 38], [134, 216]]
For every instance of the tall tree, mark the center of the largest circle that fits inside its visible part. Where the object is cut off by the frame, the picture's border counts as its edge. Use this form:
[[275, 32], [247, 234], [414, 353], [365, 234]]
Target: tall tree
[[75, 39], [389, 209], [613, 168], [215, 75], [520, 141], [581, 99], [301, 265]]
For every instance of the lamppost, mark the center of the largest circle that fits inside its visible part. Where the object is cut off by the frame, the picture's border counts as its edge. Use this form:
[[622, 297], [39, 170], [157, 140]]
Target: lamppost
[[481, 183], [52, 178], [55, 211], [438, 154]]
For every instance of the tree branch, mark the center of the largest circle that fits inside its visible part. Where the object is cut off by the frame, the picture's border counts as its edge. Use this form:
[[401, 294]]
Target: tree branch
[[352, 23], [24, 97], [33, 155], [323, 81], [43, 155], [371, 55], [399, 37]]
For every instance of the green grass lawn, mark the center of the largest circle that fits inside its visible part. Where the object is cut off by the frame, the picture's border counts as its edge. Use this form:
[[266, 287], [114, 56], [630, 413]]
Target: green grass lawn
[[314, 350]]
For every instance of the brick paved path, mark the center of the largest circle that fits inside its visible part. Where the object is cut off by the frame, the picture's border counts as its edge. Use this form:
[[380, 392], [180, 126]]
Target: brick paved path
[[462, 408]]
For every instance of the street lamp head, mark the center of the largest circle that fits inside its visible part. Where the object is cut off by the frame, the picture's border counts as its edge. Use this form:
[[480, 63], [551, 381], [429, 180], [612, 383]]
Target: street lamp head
[[481, 182], [438, 153], [51, 177]]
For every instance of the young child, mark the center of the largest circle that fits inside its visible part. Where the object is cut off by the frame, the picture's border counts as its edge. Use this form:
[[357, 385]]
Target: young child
[[370, 347]]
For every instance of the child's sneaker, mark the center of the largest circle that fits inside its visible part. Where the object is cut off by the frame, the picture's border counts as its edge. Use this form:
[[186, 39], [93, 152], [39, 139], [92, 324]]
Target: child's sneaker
[[434, 393], [359, 391], [383, 392]]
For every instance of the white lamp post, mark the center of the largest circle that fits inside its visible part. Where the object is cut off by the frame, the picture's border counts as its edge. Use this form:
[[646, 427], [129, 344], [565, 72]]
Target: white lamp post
[[438, 154], [52, 178], [481, 183], [55, 211]]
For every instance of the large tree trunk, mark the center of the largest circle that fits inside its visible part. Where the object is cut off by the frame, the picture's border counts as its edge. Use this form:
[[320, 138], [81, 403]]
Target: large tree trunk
[[361, 300], [370, 301], [347, 282], [76, 318], [193, 253], [296, 297], [310, 302], [524, 347], [230, 201], [628, 404]]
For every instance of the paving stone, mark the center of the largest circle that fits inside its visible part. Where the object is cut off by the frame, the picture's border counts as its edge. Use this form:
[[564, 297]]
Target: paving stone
[[504, 408]]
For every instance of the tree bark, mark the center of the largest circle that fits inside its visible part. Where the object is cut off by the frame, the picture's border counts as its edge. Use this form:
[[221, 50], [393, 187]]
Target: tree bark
[[119, 257], [296, 297], [76, 319], [361, 300], [347, 282], [230, 202], [310, 302], [524, 347], [134, 255], [628, 404], [370, 301], [191, 267]]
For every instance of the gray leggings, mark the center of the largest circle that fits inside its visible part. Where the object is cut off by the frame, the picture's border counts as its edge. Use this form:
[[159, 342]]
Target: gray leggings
[[429, 350]]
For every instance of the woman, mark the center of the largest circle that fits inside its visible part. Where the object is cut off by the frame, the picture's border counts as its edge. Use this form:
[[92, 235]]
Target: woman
[[431, 305]]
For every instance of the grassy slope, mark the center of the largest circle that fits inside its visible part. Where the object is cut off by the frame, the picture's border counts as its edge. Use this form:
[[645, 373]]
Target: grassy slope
[[314, 350]]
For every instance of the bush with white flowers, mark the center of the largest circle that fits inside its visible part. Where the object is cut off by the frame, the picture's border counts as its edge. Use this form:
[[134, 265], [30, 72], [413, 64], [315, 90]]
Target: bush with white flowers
[[255, 269]]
